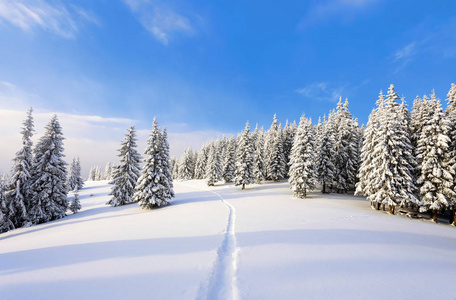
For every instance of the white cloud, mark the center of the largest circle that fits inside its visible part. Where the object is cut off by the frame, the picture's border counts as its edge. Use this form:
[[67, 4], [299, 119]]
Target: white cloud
[[321, 91], [161, 21], [341, 10], [52, 16]]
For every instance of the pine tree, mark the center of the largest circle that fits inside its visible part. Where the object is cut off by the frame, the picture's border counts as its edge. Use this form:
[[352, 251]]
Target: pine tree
[[167, 162], [229, 164], [75, 204], [5, 222], [450, 114], [436, 168], [74, 180], [325, 152], [48, 190], [214, 168], [127, 172], [258, 162], [186, 170], [153, 188], [303, 176], [288, 137], [201, 162], [98, 174], [107, 175], [276, 168], [269, 144], [244, 159], [18, 194]]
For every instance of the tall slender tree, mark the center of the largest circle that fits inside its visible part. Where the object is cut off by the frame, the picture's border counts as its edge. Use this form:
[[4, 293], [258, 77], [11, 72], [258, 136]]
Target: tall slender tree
[[48, 190], [229, 164], [303, 176], [126, 172], [153, 186], [244, 159], [18, 194], [214, 167]]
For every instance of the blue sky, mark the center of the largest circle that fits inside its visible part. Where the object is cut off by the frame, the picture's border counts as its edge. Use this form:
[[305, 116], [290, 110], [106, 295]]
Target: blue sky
[[205, 67]]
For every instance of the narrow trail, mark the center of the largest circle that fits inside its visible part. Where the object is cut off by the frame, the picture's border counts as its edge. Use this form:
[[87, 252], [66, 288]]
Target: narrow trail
[[222, 283]]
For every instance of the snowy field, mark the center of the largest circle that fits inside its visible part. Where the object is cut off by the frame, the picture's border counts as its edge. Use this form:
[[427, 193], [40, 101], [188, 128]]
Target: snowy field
[[224, 243]]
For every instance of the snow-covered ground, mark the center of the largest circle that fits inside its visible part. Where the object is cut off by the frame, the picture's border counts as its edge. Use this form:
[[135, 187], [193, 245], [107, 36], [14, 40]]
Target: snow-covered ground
[[222, 242]]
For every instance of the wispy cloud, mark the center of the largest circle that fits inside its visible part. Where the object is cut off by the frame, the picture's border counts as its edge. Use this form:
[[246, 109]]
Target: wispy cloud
[[160, 20], [52, 16], [404, 56], [341, 10], [321, 91]]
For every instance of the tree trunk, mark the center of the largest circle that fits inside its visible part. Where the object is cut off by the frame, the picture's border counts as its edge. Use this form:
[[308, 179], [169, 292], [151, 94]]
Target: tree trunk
[[454, 219], [305, 193], [451, 216], [434, 218], [324, 188], [383, 206], [243, 186]]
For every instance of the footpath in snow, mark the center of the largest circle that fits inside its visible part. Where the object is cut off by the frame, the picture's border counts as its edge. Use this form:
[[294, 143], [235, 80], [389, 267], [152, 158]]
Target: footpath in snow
[[224, 243]]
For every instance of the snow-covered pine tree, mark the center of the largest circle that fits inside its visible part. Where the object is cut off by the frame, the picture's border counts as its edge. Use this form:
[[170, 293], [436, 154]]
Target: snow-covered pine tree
[[436, 179], [126, 172], [72, 176], [77, 174], [75, 204], [98, 174], [168, 166], [450, 114], [153, 186], [48, 190], [325, 152], [288, 137], [92, 175], [214, 167], [107, 175], [276, 168], [186, 170], [229, 164], [201, 162], [5, 222], [18, 194], [244, 159], [303, 176], [259, 171], [269, 145]]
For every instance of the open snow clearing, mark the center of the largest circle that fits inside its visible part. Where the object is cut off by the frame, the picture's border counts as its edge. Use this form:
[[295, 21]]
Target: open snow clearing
[[224, 242]]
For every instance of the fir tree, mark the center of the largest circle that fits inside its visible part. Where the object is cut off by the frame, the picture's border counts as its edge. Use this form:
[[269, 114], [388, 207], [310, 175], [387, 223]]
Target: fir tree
[[303, 176], [127, 172], [201, 162], [436, 168], [186, 170], [48, 190], [107, 175], [244, 159], [5, 222], [229, 164], [325, 152], [214, 168], [153, 188], [18, 194], [74, 180], [276, 168], [269, 144], [75, 204], [258, 163], [168, 166]]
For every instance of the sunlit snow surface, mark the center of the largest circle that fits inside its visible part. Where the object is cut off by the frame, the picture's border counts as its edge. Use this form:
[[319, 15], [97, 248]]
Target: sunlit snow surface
[[222, 242]]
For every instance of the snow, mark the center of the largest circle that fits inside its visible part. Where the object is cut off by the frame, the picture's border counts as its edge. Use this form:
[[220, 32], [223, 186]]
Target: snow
[[259, 243]]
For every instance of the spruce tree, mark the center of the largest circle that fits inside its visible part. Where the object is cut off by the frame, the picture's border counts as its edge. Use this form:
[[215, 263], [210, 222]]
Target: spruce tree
[[153, 188], [107, 175], [5, 222], [126, 172], [437, 166], [325, 152], [450, 114], [48, 190], [201, 162], [276, 168], [186, 170], [214, 168], [258, 163], [303, 176], [74, 180], [18, 194], [229, 164], [244, 159], [167, 162], [269, 144], [75, 204]]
